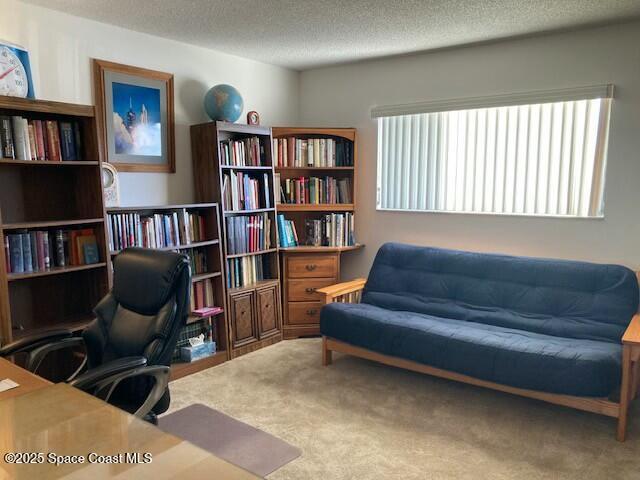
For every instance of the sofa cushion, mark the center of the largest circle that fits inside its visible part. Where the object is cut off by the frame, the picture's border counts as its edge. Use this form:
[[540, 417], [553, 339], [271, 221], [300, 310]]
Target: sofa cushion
[[560, 298], [502, 355]]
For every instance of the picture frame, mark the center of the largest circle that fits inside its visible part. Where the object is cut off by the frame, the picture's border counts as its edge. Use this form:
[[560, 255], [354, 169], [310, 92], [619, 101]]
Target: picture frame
[[135, 117]]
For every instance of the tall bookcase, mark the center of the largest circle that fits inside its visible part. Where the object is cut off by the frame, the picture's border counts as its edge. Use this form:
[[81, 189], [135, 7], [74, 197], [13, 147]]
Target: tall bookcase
[[210, 270], [254, 310], [306, 268], [47, 195]]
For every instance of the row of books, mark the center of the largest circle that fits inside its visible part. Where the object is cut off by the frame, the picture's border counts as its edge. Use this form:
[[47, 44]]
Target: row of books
[[45, 140], [248, 233], [242, 191], [159, 230], [315, 190], [202, 294], [197, 258], [243, 153], [288, 237], [312, 152], [247, 270], [28, 251], [332, 230]]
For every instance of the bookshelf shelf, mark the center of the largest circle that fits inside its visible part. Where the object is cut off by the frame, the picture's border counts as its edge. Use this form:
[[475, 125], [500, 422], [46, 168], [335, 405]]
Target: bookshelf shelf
[[316, 207], [254, 316], [249, 254], [314, 169], [37, 196], [179, 247], [43, 163], [314, 249], [247, 167], [12, 277], [249, 212], [301, 264], [52, 224], [204, 276]]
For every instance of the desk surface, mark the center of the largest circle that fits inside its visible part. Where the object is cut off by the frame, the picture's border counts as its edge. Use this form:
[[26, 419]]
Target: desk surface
[[65, 421], [27, 380]]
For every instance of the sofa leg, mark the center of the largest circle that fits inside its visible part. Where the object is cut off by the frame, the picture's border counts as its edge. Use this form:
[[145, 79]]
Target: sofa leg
[[326, 353], [625, 392]]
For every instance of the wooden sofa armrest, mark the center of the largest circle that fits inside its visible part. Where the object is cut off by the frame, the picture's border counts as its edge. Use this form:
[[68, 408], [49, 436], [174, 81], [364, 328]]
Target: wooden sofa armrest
[[632, 333], [343, 292]]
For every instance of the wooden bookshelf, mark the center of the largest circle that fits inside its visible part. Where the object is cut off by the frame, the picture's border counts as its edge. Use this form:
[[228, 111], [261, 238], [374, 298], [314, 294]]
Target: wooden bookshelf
[[48, 195], [212, 247], [254, 311], [306, 268]]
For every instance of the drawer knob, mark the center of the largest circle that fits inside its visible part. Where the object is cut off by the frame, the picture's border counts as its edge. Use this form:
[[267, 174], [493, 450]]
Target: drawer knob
[[266, 306], [312, 311], [242, 313], [311, 290], [311, 267]]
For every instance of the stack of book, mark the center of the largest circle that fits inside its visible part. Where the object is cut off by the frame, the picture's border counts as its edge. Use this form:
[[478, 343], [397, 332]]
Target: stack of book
[[45, 140], [245, 271], [197, 258], [248, 233], [159, 230], [334, 230], [312, 152], [241, 191], [315, 190], [28, 251], [202, 294], [242, 153], [287, 232]]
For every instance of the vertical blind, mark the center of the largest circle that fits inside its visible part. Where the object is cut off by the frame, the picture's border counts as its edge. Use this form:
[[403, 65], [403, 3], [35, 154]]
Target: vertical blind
[[530, 159]]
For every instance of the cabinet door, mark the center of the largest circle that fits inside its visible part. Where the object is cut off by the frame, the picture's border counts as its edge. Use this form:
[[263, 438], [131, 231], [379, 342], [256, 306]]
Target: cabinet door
[[243, 319], [268, 311]]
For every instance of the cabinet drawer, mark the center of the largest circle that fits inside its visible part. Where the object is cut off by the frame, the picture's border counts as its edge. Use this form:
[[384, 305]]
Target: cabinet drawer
[[305, 266], [305, 290], [304, 313]]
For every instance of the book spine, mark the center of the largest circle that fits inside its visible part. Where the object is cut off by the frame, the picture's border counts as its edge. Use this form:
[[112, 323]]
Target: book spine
[[32, 141], [39, 137], [19, 141], [77, 136], [59, 243], [53, 141], [6, 138], [67, 141], [46, 250], [17, 256], [33, 244], [26, 252], [27, 148]]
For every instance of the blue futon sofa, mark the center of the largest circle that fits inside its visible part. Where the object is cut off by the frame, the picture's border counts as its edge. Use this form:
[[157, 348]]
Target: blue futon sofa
[[534, 324]]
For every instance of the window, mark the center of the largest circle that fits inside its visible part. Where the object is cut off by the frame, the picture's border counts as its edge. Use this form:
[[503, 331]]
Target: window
[[526, 154]]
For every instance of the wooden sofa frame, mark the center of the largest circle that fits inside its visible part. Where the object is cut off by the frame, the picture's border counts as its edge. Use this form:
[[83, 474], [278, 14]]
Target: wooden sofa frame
[[350, 292]]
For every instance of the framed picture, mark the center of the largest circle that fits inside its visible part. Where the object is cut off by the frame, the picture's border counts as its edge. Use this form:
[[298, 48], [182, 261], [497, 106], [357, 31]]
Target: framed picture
[[134, 109]]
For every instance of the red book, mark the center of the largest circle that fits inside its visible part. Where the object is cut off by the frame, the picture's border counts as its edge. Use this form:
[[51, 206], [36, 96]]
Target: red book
[[199, 295], [40, 143], [53, 140]]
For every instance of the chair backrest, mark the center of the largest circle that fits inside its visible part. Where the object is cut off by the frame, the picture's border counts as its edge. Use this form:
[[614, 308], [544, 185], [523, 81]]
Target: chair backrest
[[144, 312], [555, 297]]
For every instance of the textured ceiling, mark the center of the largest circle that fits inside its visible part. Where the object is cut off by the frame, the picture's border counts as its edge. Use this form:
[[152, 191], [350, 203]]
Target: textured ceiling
[[303, 34]]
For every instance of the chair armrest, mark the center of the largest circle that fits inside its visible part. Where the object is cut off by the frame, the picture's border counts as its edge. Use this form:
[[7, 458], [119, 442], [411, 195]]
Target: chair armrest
[[632, 333], [94, 376], [34, 341], [333, 292]]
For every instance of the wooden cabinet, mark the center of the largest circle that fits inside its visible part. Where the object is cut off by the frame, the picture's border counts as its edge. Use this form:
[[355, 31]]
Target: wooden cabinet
[[243, 319], [305, 272], [254, 317]]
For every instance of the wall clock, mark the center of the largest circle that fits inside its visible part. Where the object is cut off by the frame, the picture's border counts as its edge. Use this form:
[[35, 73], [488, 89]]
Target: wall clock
[[15, 71], [253, 118], [110, 186]]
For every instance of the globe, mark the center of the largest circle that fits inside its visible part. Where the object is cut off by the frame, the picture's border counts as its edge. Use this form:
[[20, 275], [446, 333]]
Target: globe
[[223, 102]]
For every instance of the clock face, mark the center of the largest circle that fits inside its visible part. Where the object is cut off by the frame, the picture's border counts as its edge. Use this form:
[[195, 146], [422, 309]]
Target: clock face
[[13, 77]]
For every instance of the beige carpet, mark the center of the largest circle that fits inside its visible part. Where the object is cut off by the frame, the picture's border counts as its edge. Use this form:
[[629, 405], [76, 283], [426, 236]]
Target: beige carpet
[[360, 420]]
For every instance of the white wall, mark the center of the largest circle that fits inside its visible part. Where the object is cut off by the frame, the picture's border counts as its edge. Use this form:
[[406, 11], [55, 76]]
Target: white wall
[[61, 47], [344, 95]]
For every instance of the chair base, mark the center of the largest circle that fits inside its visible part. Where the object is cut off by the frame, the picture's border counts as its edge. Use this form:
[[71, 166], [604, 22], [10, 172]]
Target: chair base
[[151, 417]]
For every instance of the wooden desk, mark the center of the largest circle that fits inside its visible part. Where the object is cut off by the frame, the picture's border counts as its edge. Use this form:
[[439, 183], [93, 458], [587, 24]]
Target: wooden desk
[[65, 421], [27, 380]]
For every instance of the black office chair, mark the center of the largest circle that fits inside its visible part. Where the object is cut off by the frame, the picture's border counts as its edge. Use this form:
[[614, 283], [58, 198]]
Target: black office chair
[[130, 343]]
